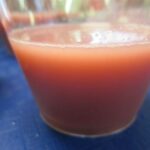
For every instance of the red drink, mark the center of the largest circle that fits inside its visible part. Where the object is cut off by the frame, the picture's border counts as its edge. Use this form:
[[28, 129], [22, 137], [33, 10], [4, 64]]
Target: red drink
[[88, 79]]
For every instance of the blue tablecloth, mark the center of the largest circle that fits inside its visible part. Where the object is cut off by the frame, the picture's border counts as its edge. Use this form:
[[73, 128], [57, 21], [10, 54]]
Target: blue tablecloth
[[21, 127]]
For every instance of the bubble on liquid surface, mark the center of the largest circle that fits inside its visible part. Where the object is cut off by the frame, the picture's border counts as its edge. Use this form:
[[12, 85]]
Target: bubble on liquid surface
[[114, 37]]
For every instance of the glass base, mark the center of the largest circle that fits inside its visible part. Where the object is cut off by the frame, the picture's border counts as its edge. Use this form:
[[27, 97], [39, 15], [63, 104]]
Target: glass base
[[117, 131]]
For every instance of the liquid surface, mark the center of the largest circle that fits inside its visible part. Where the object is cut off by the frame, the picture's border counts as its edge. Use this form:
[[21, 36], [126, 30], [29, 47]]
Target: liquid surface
[[86, 35]]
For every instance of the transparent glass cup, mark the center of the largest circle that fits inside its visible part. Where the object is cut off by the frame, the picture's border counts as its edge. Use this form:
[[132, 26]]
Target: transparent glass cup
[[87, 62]]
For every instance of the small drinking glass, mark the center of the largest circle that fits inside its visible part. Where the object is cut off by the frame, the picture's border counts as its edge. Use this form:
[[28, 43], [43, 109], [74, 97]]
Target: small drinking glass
[[87, 62]]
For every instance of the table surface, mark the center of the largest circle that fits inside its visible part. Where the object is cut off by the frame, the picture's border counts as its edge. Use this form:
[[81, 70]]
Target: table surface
[[21, 127]]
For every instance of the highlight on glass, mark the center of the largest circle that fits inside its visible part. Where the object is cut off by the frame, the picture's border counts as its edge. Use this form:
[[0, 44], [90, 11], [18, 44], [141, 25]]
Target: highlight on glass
[[87, 62]]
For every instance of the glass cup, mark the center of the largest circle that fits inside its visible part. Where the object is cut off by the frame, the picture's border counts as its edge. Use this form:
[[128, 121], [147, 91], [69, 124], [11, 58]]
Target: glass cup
[[87, 62]]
